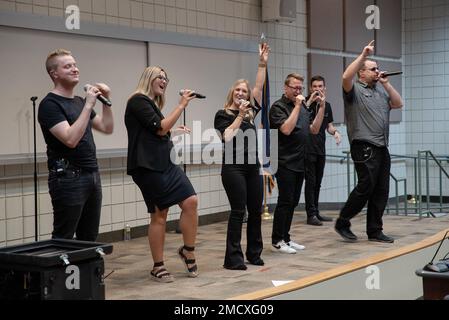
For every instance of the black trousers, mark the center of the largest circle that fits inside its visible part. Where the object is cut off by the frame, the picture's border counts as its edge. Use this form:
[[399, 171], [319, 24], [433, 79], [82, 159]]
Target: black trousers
[[76, 198], [244, 187], [289, 187], [373, 171], [314, 175]]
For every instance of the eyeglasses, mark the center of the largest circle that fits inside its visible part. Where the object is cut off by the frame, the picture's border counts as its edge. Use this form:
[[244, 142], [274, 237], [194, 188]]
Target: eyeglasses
[[162, 78], [295, 88]]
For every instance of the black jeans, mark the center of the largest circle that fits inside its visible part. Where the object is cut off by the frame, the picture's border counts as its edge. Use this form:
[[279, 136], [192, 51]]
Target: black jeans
[[289, 187], [314, 175], [76, 198], [373, 171], [244, 188]]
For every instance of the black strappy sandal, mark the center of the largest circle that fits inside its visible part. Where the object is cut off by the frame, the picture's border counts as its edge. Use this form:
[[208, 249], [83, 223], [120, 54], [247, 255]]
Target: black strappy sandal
[[193, 270], [161, 274]]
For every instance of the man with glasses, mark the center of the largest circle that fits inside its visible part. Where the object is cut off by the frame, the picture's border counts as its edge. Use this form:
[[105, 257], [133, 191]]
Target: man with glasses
[[290, 116], [367, 110]]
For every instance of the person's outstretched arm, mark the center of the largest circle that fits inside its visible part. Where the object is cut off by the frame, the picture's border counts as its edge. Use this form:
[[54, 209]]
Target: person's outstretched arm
[[355, 66]]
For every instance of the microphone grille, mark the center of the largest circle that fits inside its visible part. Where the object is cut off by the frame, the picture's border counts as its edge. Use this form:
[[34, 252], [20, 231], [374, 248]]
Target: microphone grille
[[86, 87]]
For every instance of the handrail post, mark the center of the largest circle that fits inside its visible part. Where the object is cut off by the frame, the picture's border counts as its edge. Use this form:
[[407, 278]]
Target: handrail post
[[348, 172], [415, 171], [405, 194], [441, 191], [397, 195], [419, 186], [427, 183]]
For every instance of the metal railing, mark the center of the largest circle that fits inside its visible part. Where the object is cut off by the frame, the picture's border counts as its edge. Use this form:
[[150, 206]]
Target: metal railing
[[416, 201]]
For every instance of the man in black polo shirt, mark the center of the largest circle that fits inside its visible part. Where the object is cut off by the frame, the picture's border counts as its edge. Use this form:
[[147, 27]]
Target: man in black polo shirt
[[367, 111], [316, 151], [66, 121], [290, 116]]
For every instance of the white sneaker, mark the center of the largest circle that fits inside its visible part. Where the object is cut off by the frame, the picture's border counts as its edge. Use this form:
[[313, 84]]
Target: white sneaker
[[282, 247], [296, 246]]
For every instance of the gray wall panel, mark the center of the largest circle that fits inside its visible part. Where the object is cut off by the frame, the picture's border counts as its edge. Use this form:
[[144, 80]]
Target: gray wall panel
[[357, 35], [389, 36], [325, 23], [331, 68]]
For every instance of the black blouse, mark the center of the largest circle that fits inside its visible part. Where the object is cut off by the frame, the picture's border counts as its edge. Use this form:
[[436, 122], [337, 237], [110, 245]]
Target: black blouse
[[244, 144], [146, 148]]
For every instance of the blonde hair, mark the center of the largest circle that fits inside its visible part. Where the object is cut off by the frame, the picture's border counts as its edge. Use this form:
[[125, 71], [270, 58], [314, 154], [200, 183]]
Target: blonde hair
[[230, 99], [50, 63], [145, 85]]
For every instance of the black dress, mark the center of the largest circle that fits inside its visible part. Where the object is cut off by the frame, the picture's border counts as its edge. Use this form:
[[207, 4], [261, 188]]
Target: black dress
[[162, 183]]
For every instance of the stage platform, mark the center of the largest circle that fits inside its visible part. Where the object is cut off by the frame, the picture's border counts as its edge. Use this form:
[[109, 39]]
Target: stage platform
[[325, 249]]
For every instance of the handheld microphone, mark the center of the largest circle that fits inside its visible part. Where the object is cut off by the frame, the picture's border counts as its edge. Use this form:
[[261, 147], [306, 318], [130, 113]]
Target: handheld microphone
[[195, 94], [250, 105], [102, 98], [395, 73]]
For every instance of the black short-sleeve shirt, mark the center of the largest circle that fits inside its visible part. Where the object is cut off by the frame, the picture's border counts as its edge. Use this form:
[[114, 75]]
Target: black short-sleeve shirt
[[317, 142], [244, 144], [55, 109], [291, 148]]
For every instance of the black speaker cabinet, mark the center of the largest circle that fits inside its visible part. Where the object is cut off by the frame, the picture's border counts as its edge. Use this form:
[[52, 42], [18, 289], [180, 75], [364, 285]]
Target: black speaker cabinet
[[53, 270]]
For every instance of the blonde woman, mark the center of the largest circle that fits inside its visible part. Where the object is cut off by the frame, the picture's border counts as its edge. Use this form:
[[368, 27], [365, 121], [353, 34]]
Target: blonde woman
[[240, 173], [162, 183]]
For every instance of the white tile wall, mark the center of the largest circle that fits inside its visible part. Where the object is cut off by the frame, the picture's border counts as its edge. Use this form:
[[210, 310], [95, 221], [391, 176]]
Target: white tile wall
[[426, 45], [426, 64]]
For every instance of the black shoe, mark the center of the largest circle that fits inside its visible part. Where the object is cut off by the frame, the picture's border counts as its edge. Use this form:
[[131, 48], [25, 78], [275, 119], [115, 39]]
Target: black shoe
[[323, 218], [256, 262], [313, 221], [380, 237], [237, 267], [346, 234]]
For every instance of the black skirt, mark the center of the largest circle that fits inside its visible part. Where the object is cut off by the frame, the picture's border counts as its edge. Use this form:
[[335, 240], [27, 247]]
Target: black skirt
[[163, 189]]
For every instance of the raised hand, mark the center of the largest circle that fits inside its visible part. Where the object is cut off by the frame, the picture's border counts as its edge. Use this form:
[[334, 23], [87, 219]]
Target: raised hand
[[321, 97], [91, 96], [313, 97], [264, 50], [299, 99], [243, 107], [105, 90], [369, 49], [186, 97]]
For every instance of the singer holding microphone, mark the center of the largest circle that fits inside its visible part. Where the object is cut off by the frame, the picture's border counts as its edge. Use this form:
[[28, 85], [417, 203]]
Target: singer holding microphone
[[292, 119], [240, 174], [368, 101], [66, 121], [162, 183]]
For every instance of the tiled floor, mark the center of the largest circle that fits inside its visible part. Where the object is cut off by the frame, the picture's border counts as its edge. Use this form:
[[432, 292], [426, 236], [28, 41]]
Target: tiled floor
[[131, 260]]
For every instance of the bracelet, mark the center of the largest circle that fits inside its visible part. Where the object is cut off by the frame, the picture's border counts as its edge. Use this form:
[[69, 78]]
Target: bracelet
[[262, 65], [240, 116], [335, 132]]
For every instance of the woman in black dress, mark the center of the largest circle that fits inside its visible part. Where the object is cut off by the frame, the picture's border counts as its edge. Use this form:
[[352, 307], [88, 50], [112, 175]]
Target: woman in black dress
[[162, 183], [241, 173]]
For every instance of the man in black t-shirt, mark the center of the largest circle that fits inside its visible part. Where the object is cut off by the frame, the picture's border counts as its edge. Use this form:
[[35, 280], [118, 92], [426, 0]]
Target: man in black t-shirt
[[316, 151], [66, 121], [292, 119]]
